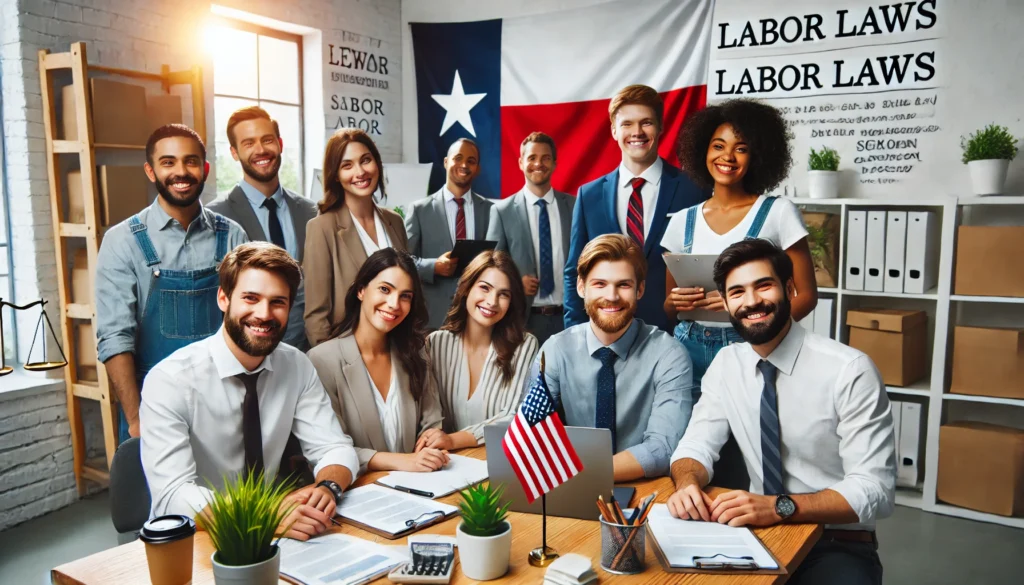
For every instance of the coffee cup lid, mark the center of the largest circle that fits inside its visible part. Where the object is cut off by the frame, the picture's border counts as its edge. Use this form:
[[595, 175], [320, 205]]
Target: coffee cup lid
[[167, 529]]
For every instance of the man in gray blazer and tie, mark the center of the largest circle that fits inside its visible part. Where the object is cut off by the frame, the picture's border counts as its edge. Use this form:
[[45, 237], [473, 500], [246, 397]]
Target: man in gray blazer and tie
[[533, 227], [266, 210], [435, 223]]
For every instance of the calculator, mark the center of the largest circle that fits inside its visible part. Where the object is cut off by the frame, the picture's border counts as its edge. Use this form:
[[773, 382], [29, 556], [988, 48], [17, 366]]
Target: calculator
[[431, 563]]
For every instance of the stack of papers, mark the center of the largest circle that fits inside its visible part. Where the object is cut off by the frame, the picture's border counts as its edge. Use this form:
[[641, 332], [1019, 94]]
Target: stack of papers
[[338, 559], [684, 542], [570, 569], [388, 511], [461, 472]]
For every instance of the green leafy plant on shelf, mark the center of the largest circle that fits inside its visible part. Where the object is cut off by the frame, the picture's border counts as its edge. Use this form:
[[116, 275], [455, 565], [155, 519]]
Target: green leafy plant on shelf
[[990, 143], [400, 211], [242, 519], [482, 512], [818, 238], [826, 159]]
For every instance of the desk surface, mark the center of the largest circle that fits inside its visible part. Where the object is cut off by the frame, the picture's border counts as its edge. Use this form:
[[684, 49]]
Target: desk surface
[[789, 544]]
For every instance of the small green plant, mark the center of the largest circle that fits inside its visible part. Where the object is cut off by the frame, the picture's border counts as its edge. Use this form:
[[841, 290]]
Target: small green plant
[[400, 211], [482, 512], [991, 142], [818, 238], [826, 159], [243, 517]]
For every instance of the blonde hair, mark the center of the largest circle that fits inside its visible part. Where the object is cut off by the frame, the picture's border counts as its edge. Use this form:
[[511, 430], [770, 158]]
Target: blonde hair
[[612, 248]]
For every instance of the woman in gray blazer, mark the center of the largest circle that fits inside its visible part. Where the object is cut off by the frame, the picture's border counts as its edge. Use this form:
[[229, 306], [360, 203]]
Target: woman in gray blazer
[[376, 372], [349, 228]]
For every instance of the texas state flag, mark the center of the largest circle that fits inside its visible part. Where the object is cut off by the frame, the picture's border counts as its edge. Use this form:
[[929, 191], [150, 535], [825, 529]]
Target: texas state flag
[[496, 81]]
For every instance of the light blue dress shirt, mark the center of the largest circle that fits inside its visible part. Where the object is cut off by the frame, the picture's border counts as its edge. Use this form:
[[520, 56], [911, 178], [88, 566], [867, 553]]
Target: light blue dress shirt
[[653, 379]]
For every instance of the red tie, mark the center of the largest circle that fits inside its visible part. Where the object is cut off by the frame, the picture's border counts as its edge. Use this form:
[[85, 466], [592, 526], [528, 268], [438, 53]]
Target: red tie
[[635, 213], [460, 219]]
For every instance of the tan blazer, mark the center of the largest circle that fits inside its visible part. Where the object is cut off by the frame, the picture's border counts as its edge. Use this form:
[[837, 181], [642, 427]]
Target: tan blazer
[[332, 257], [344, 376]]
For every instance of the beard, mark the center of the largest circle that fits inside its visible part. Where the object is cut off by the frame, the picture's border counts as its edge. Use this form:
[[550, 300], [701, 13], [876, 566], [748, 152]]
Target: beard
[[163, 188], [262, 176], [610, 323], [765, 331], [256, 347]]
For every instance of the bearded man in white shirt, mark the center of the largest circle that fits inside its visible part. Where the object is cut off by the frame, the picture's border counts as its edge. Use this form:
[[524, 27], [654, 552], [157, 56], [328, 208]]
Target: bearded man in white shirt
[[811, 418], [227, 404]]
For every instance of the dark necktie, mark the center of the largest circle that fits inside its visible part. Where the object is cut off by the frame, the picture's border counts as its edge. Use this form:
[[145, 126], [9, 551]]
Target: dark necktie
[[547, 272], [635, 213], [252, 432], [771, 443], [276, 233], [460, 219], [606, 392]]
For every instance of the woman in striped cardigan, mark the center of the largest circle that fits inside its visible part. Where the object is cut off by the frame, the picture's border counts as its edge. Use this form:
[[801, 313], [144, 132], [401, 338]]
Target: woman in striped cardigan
[[481, 357]]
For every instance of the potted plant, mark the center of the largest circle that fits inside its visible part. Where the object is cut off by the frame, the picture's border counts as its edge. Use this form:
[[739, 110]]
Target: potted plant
[[242, 519], [483, 536], [823, 176], [987, 154]]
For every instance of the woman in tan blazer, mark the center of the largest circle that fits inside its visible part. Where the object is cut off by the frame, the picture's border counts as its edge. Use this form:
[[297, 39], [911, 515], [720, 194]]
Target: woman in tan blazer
[[350, 227], [376, 372]]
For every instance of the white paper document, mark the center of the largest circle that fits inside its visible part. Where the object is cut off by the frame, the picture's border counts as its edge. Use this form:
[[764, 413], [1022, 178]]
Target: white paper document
[[337, 559], [388, 510], [461, 472], [686, 541]]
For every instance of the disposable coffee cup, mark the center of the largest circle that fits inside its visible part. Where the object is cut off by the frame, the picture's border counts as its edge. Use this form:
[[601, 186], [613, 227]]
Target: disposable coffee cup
[[169, 549]]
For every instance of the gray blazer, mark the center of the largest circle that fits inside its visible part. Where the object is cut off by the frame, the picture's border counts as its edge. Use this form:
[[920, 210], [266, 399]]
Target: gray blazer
[[510, 227], [343, 374], [427, 227]]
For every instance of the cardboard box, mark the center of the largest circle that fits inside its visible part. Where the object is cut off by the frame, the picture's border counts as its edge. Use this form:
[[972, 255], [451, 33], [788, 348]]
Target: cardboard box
[[823, 240], [988, 362], [124, 191], [981, 467], [119, 113], [896, 340], [161, 110], [85, 342], [81, 278], [987, 262]]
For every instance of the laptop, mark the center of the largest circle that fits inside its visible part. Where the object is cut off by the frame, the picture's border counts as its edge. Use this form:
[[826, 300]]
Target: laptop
[[576, 498]]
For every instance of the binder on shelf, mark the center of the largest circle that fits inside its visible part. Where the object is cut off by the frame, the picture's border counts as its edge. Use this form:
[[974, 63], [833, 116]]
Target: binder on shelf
[[823, 317], [874, 252], [921, 274], [895, 250], [909, 445], [855, 237]]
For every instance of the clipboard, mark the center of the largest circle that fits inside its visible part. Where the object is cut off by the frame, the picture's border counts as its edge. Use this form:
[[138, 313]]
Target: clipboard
[[360, 505], [718, 564], [690, 270], [413, 525], [466, 250]]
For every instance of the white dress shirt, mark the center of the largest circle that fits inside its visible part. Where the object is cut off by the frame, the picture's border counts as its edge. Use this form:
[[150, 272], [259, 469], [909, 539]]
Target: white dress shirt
[[390, 412], [649, 193], [557, 254], [192, 415], [369, 246], [834, 416], [452, 210]]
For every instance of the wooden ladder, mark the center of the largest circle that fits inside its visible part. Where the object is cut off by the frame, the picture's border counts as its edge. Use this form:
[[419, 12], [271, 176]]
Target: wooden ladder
[[91, 231]]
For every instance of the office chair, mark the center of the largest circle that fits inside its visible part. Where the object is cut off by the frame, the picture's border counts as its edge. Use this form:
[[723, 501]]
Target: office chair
[[129, 492]]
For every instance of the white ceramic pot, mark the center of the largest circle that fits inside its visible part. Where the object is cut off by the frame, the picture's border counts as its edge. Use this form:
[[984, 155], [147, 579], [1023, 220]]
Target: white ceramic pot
[[263, 573], [823, 184], [988, 176], [484, 557]]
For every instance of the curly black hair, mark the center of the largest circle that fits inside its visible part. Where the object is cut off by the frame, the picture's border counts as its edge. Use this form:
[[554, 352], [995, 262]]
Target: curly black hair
[[761, 126]]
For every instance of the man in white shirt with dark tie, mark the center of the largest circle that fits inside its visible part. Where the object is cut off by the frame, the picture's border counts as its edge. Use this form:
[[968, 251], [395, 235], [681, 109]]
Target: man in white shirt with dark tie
[[227, 404], [812, 420]]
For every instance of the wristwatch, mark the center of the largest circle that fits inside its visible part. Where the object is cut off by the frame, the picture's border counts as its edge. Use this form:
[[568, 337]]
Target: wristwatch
[[337, 491], [785, 506]]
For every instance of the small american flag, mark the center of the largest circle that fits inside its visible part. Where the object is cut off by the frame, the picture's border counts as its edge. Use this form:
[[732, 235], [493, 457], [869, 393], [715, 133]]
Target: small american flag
[[536, 444]]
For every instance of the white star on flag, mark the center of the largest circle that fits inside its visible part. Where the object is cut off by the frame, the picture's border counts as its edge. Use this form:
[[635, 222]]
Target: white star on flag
[[457, 106]]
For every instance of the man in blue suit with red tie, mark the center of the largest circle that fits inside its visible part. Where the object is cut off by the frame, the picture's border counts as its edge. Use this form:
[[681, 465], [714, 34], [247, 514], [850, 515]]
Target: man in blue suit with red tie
[[635, 200]]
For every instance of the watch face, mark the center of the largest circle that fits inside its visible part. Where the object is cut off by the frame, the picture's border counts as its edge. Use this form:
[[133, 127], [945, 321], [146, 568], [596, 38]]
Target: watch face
[[784, 506]]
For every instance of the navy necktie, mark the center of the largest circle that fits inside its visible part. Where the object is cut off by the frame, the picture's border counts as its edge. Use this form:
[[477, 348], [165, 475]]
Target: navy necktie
[[547, 272], [276, 233], [252, 431], [771, 442], [606, 392]]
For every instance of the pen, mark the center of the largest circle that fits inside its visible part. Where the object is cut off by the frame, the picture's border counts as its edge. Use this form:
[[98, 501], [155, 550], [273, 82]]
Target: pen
[[415, 492]]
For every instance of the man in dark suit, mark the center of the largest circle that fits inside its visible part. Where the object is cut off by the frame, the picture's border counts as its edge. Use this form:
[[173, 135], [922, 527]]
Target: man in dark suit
[[435, 223], [533, 227], [266, 210], [635, 200]]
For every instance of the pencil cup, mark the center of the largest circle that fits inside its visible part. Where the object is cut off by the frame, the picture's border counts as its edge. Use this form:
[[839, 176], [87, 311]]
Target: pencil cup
[[622, 548]]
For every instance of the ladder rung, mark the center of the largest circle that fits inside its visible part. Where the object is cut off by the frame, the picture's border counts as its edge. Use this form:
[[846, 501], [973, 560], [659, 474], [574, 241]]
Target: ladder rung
[[67, 146], [75, 230], [57, 61], [80, 311], [100, 476], [86, 390]]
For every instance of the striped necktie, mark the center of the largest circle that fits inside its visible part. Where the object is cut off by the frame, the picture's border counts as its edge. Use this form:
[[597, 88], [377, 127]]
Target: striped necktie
[[460, 219], [635, 213], [771, 442]]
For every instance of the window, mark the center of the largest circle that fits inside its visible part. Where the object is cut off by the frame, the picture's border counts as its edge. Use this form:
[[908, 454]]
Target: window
[[256, 66]]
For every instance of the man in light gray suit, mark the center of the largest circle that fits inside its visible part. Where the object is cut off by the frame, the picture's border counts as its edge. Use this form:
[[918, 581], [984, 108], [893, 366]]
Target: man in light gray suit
[[533, 227], [266, 210], [436, 222]]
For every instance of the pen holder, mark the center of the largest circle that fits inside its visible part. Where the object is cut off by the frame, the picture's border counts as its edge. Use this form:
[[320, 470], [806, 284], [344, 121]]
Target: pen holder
[[622, 548]]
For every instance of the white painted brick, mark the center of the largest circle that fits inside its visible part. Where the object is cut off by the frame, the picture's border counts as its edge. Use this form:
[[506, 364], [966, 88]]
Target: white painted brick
[[37, 499], [38, 469], [94, 17], [39, 7], [68, 12]]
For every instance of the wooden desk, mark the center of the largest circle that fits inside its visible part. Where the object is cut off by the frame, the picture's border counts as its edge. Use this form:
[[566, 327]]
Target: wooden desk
[[789, 544]]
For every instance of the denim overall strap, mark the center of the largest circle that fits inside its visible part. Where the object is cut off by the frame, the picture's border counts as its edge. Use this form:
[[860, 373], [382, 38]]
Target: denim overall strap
[[141, 234], [220, 225], [760, 218], [691, 224]]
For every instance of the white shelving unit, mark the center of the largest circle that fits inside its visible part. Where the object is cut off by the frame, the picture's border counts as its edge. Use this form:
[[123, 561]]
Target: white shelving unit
[[938, 303]]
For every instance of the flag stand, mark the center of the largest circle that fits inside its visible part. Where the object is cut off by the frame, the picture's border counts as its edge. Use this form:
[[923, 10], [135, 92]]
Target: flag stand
[[543, 555]]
